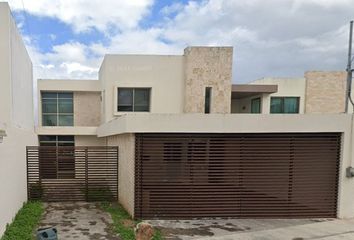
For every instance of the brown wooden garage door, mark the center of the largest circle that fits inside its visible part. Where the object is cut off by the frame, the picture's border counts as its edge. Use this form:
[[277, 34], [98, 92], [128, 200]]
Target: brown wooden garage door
[[237, 175]]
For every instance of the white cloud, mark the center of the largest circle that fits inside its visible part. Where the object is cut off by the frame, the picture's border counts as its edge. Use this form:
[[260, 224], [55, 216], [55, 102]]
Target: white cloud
[[270, 38], [72, 67], [139, 41], [324, 3], [84, 15], [69, 60]]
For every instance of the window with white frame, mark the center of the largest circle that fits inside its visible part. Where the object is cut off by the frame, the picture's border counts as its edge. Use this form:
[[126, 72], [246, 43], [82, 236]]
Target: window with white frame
[[57, 109], [133, 100]]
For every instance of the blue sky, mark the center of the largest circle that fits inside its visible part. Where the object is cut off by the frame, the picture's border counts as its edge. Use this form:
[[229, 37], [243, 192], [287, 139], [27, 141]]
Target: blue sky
[[47, 31], [273, 38]]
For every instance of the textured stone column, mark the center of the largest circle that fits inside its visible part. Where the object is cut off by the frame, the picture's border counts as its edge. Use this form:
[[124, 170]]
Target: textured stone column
[[325, 92], [208, 67]]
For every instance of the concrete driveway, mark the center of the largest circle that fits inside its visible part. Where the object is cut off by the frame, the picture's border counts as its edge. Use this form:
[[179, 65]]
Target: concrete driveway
[[329, 230], [256, 229], [84, 221]]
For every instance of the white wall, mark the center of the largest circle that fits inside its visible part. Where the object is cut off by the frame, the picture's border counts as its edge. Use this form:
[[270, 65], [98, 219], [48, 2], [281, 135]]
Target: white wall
[[243, 105], [287, 87], [248, 123], [163, 74], [16, 117], [13, 180], [81, 140], [22, 84], [5, 67], [126, 169]]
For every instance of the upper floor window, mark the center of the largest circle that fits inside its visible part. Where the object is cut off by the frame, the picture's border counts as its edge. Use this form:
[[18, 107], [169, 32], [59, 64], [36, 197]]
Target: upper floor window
[[284, 104], [207, 100], [133, 99], [256, 105], [57, 109]]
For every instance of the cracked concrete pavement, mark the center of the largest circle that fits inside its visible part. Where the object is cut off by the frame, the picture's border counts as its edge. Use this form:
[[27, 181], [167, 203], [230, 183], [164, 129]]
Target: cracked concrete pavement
[[79, 220], [86, 221], [336, 229], [225, 229]]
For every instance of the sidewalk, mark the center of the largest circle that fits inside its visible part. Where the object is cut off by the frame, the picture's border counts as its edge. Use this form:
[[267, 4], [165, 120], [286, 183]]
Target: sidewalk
[[329, 230]]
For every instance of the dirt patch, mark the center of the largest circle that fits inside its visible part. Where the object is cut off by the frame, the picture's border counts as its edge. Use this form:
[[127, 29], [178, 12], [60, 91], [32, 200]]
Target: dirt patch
[[128, 223]]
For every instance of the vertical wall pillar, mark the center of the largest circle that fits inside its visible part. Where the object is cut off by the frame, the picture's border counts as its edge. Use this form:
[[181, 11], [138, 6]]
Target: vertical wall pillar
[[208, 67]]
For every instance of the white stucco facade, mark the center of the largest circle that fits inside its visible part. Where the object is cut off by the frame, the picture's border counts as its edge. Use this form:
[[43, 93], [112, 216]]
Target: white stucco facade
[[247, 123], [162, 74], [177, 101], [287, 87], [16, 117], [165, 76]]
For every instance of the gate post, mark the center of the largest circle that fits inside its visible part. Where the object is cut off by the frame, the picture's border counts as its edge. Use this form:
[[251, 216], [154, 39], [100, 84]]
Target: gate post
[[86, 174], [27, 176]]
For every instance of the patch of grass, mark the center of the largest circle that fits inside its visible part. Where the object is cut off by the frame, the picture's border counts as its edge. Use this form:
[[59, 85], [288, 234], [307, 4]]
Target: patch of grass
[[157, 235], [123, 224], [25, 221]]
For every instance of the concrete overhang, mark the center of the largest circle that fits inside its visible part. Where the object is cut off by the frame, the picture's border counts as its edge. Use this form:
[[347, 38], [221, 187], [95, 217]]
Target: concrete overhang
[[224, 123], [69, 85], [66, 131], [247, 90]]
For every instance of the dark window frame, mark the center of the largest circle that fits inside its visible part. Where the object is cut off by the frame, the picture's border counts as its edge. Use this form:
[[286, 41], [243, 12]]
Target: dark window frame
[[207, 100], [64, 163], [283, 105], [56, 141], [260, 105], [133, 105]]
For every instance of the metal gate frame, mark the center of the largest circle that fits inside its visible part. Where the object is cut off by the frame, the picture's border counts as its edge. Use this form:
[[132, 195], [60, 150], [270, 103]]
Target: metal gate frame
[[243, 175], [66, 173]]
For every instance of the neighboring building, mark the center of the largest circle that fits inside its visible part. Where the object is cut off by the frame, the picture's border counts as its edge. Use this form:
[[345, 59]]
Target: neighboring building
[[182, 153], [16, 117], [70, 108]]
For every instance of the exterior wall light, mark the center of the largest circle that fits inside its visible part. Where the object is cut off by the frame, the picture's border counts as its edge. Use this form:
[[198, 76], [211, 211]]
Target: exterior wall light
[[2, 135], [350, 172]]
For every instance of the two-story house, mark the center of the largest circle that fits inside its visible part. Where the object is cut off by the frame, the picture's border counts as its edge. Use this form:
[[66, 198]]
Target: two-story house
[[191, 143]]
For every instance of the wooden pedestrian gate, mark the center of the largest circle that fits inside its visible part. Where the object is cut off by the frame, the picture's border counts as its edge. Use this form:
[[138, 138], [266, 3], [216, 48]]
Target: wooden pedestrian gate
[[72, 173]]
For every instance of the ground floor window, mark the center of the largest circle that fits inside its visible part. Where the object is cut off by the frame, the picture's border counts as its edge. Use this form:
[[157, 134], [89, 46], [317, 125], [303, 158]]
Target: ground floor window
[[53, 140], [57, 163]]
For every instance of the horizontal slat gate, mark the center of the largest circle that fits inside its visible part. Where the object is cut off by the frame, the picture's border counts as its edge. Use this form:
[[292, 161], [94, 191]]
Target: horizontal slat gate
[[72, 173], [237, 175]]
